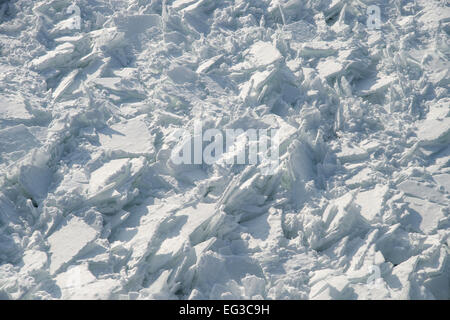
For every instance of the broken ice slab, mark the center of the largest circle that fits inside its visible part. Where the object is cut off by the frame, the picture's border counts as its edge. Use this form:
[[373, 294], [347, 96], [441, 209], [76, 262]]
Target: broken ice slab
[[350, 153], [181, 74], [130, 137], [140, 233], [434, 131], [78, 283], [370, 86], [13, 108], [109, 175], [59, 57], [440, 78], [68, 241], [330, 68], [371, 202], [439, 110], [197, 217], [433, 264], [316, 49], [443, 180], [422, 191], [192, 228], [262, 54], [112, 184], [8, 214], [430, 15], [120, 87], [400, 278], [34, 261], [65, 84], [252, 87], [134, 24], [430, 214], [333, 287], [180, 4], [35, 180], [370, 145], [340, 218], [67, 26], [301, 31], [208, 64], [107, 38], [16, 142], [266, 230], [284, 130], [197, 6], [362, 178], [259, 55]]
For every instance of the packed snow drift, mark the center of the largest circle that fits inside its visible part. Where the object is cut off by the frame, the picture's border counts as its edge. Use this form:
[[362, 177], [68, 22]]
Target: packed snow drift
[[96, 97]]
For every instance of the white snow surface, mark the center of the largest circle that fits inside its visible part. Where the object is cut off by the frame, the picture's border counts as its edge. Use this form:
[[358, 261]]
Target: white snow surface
[[91, 206]]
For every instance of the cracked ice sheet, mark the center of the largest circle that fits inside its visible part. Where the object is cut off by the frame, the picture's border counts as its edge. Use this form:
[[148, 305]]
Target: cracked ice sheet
[[91, 203]]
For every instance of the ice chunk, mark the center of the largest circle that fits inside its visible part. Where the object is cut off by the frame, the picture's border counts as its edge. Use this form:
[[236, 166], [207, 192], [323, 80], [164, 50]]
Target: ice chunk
[[421, 191], [350, 153], [68, 241], [330, 68], [107, 38], [400, 278], [317, 49], [434, 131], [196, 224], [259, 55], [140, 233], [133, 25], [65, 84], [198, 6], [111, 186], [120, 87], [443, 180], [253, 87], [371, 86], [179, 4], [371, 202], [78, 283], [193, 229], [180, 75], [430, 214], [34, 261], [362, 178], [266, 230], [262, 54], [301, 31], [208, 64], [130, 137], [61, 56], [331, 288], [341, 217], [35, 180], [16, 142], [370, 146], [112, 172], [13, 108]]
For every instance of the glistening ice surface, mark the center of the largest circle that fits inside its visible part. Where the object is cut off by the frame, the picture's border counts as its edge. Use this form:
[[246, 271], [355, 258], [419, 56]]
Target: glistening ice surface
[[92, 93]]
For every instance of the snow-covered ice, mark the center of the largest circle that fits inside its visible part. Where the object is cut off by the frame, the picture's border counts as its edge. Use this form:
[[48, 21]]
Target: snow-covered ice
[[92, 205]]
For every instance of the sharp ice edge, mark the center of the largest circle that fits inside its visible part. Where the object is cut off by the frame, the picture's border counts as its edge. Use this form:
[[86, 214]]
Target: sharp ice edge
[[92, 208]]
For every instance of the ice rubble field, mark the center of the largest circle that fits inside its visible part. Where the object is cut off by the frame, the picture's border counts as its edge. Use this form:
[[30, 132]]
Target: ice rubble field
[[91, 206]]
